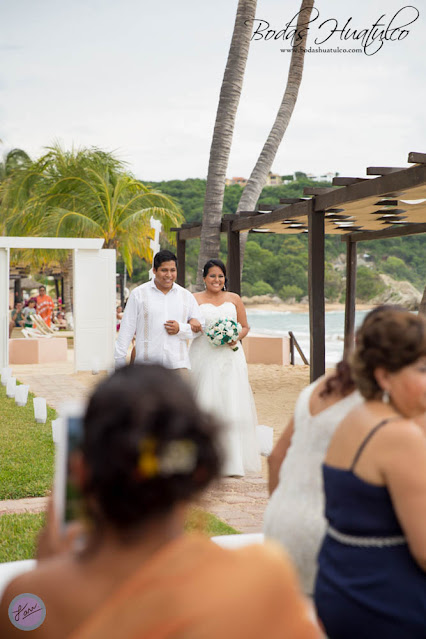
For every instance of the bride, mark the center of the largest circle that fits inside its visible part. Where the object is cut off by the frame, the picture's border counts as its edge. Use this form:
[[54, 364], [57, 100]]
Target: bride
[[220, 374]]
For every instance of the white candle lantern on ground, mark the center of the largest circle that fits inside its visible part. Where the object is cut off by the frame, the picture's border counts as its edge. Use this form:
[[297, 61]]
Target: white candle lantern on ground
[[57, 427], [96, 365], [265, 435], [6, 373], [11, 387], [40, 410], [21, 394]]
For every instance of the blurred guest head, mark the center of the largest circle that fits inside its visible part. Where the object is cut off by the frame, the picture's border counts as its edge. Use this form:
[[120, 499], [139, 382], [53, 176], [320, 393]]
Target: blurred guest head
[[389, 361], [147, 446]]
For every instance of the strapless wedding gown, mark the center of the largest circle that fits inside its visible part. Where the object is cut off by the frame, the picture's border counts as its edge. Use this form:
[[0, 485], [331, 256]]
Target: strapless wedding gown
[[220, 378]]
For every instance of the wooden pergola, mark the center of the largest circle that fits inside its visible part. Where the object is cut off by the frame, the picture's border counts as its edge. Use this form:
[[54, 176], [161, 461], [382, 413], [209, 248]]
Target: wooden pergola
[[392, 203]]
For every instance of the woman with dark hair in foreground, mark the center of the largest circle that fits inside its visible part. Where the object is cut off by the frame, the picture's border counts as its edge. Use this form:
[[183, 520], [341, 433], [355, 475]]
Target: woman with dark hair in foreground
[[372, 565], [147, 451]]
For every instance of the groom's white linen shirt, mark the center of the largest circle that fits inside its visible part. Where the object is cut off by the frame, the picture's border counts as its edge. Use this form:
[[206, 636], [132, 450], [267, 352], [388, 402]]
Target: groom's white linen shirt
[[146, 311]]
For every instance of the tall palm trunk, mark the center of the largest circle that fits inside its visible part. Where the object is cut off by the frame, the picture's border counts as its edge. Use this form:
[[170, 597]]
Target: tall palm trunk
[[257, 179], [422, 307], [223, 132]]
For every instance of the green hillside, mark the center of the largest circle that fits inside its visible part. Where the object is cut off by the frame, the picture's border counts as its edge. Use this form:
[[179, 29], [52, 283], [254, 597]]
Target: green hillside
[[278, 264]]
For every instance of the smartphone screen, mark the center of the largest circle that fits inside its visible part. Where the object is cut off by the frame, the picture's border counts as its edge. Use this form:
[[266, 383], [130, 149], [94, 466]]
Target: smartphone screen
[[72, 508], [69, 436]]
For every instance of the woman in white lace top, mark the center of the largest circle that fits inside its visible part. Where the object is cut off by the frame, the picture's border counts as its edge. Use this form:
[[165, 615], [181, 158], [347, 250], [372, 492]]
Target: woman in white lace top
[[295, 512]]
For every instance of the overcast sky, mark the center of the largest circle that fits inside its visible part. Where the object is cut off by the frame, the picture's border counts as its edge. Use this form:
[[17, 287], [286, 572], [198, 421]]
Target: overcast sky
[[142, 78]]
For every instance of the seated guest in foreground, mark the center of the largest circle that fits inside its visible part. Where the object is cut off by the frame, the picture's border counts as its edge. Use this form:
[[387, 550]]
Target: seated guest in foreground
[[295, 512], [147, 450], [372, 565]]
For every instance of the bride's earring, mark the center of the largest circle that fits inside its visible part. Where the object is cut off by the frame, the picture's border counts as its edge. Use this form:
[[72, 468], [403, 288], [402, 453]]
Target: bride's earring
[[386, 397]]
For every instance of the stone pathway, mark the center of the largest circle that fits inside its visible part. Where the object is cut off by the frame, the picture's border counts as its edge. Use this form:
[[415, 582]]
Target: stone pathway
[[238, 502], [27, 505]]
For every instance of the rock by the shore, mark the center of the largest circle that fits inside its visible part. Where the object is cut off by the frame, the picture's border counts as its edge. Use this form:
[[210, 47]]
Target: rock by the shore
[[261, 299], [398, 292]]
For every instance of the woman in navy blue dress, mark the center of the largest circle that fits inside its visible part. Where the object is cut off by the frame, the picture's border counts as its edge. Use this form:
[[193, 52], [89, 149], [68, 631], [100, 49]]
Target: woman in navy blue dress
[[372, 564]]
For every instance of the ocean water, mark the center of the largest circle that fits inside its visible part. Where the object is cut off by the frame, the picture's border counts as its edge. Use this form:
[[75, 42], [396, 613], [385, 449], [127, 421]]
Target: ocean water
[[278, 323]]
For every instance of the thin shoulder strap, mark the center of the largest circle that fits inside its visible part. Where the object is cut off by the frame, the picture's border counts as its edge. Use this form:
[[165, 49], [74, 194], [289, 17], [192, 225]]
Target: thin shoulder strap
[[368, 437]]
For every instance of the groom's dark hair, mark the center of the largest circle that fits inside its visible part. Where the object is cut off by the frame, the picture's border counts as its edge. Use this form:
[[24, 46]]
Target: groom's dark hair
[[164, 256]]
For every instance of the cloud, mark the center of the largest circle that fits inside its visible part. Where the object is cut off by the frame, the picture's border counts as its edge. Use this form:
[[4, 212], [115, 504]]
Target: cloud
[[144, 78]]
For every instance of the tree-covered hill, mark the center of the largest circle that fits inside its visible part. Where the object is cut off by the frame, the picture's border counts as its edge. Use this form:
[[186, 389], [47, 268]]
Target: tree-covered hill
[[278, 264]]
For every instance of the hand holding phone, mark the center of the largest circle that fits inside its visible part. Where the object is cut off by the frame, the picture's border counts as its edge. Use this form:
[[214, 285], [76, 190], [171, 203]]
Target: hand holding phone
[[51, 541]]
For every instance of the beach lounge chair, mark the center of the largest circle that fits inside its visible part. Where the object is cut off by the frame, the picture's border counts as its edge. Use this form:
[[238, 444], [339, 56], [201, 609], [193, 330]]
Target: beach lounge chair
[[40, 324], [31, 333]]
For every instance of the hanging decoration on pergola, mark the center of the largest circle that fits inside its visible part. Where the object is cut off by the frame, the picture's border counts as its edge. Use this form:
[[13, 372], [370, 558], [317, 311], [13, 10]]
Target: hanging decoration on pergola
[[391, 202]]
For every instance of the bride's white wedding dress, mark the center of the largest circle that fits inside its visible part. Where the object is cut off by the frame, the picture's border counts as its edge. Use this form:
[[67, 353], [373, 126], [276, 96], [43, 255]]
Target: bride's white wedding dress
[[220, 378]]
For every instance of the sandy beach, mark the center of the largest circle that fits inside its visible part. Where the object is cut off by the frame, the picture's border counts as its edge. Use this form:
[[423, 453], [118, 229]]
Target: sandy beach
[[275, 390], [298, 308]]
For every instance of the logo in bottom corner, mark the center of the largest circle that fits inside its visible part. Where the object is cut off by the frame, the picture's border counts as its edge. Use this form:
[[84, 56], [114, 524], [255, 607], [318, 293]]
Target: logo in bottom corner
[[27, 611]]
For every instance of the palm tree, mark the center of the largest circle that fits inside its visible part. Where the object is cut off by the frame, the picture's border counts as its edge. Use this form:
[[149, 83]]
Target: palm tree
[[225, 118], [223, 132], [87, 193], [12, 161], [422, 307], [257, 179]]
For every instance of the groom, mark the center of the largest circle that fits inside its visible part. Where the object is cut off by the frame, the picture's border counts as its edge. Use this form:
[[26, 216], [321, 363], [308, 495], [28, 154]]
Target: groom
[[163, 315]]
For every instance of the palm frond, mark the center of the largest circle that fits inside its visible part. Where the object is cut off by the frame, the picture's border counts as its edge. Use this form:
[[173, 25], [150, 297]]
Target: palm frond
[[85, 193]]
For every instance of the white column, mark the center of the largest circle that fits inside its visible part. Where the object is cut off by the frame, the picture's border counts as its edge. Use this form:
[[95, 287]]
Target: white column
[[94, 309], [4, 307]]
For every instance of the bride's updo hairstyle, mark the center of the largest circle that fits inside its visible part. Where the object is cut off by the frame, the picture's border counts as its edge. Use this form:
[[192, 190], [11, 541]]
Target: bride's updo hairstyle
[[147, 446], [216, 262], [391, 338]]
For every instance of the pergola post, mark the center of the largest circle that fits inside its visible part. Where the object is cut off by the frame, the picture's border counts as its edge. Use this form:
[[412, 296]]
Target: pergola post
[[17, 290], [57, 288], [233, 266], [350, 295], [316, 294], [181, 257]]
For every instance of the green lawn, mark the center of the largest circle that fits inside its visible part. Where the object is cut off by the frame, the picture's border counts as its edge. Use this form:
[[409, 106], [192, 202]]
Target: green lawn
[[201, 521], [18, 533], [26, 450]]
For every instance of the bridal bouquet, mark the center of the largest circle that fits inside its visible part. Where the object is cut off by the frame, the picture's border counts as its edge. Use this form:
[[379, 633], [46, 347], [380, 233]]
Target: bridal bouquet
[[223, 331]]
